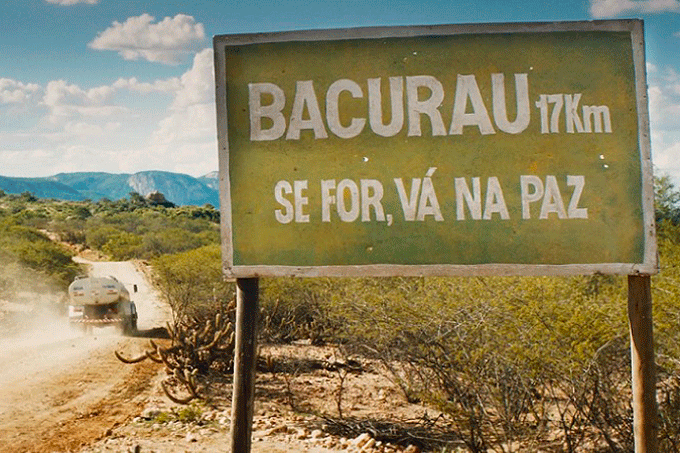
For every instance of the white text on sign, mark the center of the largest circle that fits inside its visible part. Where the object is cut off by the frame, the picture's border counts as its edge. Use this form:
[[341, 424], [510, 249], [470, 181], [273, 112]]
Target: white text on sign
[[348, 200], [411, 98]]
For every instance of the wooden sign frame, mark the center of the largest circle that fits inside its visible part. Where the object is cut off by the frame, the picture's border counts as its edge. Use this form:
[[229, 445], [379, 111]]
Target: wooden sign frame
[[350, 254], [238, 175]]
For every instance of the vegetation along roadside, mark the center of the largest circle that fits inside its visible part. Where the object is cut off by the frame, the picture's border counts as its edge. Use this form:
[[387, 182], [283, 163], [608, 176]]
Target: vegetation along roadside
[[512, 364]]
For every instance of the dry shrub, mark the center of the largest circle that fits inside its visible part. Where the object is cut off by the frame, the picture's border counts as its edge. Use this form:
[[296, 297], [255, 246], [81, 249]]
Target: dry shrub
[[296, 309]]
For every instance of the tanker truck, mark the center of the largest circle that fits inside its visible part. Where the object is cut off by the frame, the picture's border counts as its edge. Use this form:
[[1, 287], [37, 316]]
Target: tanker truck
[[100, 302]]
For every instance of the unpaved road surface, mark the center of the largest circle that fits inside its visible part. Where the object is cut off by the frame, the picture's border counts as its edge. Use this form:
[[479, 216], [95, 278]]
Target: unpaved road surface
[[60, 390], [66, 392]]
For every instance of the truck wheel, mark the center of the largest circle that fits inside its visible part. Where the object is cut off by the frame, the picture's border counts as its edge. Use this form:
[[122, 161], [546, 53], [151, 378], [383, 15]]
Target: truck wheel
[[129, 327]]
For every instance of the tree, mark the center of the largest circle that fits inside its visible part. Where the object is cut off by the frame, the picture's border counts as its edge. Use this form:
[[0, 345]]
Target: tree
[[137, 200], [667, 199], [81, 212], [28, 197]]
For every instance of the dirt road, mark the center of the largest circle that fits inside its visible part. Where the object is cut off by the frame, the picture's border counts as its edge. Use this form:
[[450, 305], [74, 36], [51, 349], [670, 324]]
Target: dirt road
[[67, 393], [60, 390]]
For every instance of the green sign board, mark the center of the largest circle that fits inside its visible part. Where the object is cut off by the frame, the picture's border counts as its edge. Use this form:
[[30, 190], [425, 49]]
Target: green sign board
[[446, 150]]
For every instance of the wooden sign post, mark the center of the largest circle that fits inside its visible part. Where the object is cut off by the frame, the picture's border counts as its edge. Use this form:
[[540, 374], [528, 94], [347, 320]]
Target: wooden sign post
[[245, 361], [449, 150], [645, 416]]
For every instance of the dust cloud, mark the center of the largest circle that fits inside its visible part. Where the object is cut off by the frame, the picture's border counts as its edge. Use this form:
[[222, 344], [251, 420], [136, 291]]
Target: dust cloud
[[44, 330], [41, 345], [33, 312]]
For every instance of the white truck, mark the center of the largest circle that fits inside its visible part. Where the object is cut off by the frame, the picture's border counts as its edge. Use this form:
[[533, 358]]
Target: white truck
[[99, 302]]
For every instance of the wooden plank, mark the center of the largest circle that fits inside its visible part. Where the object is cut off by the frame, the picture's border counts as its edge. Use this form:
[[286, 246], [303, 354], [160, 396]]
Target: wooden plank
[[439, 270], [324, 209], [245, 360], [645, 414]]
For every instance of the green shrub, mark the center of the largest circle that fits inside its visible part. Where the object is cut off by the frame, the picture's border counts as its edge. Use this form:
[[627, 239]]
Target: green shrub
[[33, 250], [175, 240], [666, 199], [34, 218], [157, 230], [515, 364], [191, 282], [296, 309], [97, 237], [123, 246]]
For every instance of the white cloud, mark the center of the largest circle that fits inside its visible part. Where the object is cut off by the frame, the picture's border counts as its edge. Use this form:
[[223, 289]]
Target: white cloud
[[158, 86], [126, 126], [198, 83], [611, 8], [664, 113], [196, 159], [188, 135], [42, 159], [66, 101], [14, 92], [664, 100], [195, 123], [84, 129], [167, 41], [73, 2], [59, 92], [669, 158], [193, 109]]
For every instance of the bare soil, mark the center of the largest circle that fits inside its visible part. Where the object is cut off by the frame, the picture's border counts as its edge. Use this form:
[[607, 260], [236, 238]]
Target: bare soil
[[66, 392]]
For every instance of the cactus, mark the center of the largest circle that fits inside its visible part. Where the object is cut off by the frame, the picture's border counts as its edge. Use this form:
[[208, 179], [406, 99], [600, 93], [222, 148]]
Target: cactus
[[196, 346]]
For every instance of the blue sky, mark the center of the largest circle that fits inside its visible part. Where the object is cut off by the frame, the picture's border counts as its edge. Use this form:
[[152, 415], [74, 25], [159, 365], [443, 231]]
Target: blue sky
[[123, 86]]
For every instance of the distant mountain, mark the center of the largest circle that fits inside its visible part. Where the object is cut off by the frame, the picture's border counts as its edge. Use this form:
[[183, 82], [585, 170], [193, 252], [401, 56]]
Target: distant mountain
[[174, 186], [178, 188], [211, 180], [95, 186], [40, 187]]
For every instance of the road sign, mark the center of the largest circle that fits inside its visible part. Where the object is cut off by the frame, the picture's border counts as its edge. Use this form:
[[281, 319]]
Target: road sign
[[490, 149]]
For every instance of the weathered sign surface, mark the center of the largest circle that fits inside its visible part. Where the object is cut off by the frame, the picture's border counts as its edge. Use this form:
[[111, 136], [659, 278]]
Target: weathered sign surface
[[447, 150]]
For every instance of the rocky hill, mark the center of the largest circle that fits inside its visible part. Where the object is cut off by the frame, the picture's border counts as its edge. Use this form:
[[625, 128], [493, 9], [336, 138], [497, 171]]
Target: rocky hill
[[178, 188], [211, 180]]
